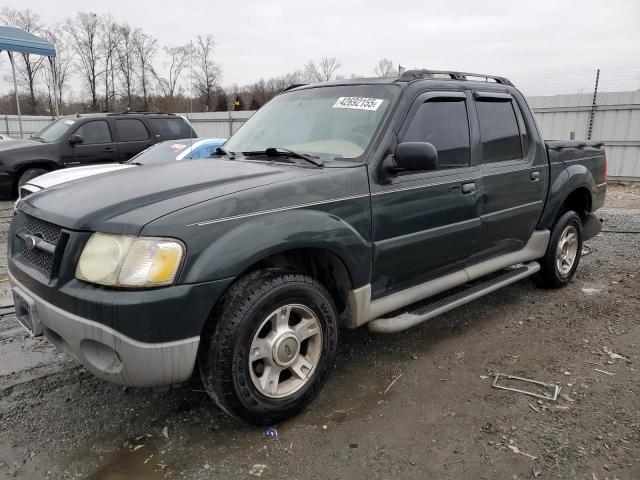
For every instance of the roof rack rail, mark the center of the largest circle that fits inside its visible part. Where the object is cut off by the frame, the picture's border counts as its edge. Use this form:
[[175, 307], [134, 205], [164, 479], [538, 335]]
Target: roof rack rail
[[141, 112], [421, 74]]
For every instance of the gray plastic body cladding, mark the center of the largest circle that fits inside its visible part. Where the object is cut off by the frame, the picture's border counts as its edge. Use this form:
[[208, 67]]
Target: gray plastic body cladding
[[362, 309], [111, 355], [408, 320]]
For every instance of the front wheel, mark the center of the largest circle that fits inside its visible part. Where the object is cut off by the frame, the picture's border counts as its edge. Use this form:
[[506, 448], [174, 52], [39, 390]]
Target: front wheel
[[559, 265], [29, 175], [269, 346]]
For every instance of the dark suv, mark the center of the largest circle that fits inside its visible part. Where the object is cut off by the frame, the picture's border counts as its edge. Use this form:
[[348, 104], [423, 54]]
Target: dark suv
[[85, 139]]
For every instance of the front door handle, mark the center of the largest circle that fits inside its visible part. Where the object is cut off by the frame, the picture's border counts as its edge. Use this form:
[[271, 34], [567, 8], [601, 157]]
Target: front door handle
[[468, 188], [535, 176], [108, 149]]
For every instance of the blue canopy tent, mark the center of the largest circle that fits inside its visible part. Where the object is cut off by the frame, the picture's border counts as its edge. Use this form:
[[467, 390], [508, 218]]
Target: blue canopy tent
[[13, 40]]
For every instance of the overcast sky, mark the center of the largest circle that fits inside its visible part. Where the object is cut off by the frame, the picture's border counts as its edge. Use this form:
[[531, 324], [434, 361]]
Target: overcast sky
[[538, 42]]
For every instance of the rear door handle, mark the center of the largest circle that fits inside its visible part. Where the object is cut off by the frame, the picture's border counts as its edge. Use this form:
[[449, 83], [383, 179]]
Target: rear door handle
[[468, 188], [108, 149], [535, 176]]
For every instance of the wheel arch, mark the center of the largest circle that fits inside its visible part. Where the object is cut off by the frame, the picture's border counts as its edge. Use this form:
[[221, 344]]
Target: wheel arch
[[571, 190], [320, 263], [579, 200], [47, 165]]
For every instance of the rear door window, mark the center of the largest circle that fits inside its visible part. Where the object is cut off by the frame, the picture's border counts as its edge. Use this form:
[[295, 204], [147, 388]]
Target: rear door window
[[499, 131], [445, 125], [172, 127], [131, 130], [95, 131]]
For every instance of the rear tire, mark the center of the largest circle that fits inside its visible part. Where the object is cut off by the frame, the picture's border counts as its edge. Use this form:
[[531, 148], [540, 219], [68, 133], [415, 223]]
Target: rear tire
[[560, 263], [30, 174], [269, 346]]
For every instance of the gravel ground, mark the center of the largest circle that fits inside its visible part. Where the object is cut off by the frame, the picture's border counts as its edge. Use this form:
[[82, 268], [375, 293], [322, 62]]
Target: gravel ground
[[417, 404]]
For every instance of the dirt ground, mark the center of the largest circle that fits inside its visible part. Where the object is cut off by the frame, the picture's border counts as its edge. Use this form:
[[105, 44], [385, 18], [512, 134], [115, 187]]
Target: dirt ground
[[418, 404]]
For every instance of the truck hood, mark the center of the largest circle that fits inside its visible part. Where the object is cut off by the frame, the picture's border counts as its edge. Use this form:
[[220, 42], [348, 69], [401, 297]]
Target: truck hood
[[22, 145], [67, 174], [18, 143], [122, 202]]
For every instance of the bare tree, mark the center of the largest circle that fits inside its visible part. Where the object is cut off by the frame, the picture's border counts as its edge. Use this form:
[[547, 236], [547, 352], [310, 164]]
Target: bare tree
[[384, 68], [145, 47], [84, 32], [27, 71], [109, 39], [179, 58], [310, 72], [127, 61], [62, 64], [208, 72], [327, 68]]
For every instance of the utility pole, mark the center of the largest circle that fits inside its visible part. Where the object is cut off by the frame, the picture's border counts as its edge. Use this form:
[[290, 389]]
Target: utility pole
[[593, 106]]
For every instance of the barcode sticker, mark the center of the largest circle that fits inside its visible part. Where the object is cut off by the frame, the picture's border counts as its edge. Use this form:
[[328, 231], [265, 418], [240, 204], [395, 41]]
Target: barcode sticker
[[358, 103]]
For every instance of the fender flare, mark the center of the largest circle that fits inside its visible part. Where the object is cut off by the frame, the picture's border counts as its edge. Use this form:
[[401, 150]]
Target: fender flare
[[572, 178], [240, 244]]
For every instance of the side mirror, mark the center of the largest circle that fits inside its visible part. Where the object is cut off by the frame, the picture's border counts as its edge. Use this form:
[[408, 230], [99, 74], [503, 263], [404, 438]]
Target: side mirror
[[74, 139], [415, 156]]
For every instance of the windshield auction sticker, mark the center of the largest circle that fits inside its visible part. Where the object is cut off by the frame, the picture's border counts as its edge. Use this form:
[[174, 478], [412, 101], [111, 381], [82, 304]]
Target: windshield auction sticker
[[358, 103]]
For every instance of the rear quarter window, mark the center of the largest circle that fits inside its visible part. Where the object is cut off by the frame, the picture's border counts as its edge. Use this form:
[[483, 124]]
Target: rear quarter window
[[131, 130], [172, 127], [499, 131]]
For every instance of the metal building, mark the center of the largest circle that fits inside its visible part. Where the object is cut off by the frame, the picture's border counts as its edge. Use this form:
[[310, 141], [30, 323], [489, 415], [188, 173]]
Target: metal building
[[616, 121]]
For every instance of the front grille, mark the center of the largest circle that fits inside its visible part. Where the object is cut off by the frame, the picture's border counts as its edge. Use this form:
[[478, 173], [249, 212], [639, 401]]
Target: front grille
[[40, 259], [39, 228]]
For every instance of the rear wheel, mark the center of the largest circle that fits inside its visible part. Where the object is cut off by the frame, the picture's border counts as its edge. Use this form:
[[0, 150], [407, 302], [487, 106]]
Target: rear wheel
[[270, 346], [559, 265], [30, 174]]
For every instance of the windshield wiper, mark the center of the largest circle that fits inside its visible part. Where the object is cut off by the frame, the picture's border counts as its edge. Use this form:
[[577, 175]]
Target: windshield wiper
[[285, 152], [229, 155], [40, 139]]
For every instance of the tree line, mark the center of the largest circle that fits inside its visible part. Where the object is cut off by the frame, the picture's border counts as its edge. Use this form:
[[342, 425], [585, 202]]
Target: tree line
[[123, 68]]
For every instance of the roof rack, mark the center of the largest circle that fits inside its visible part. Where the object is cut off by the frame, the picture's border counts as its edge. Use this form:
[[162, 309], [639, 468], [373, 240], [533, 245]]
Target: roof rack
[[125, 112], [422, 74]]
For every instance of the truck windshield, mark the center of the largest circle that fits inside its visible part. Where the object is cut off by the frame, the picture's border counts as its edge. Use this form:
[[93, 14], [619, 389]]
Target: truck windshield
[[54, 130], [336, 122]]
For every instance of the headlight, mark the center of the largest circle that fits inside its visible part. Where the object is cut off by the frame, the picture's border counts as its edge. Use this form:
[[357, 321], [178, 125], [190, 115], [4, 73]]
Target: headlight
[[122, 261]]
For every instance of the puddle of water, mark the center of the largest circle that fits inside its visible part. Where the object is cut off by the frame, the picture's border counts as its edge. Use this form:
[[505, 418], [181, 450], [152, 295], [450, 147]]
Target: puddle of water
[[125, 464]]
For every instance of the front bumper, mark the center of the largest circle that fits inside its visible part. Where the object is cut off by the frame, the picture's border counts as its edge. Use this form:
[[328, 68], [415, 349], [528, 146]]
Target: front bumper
[[106, 353]]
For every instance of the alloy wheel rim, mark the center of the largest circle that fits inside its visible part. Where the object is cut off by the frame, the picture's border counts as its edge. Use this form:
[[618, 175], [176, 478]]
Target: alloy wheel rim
[[567, 251], [285, 351]]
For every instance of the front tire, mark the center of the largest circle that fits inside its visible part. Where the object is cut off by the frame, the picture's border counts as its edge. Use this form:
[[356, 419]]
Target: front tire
[[29, 175], [560, 263], [269, 346]]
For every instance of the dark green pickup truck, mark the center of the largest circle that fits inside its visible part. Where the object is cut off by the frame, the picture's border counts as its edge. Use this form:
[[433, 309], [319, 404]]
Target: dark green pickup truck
[[382, 202]]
